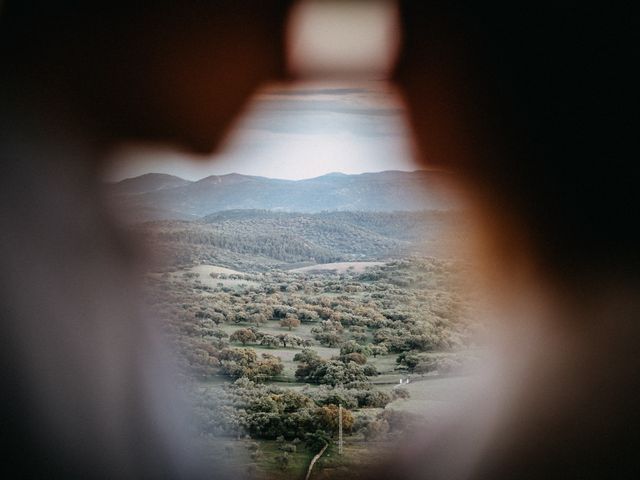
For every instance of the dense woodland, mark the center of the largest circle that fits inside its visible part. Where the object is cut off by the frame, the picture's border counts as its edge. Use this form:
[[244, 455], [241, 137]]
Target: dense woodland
[[259, 240]]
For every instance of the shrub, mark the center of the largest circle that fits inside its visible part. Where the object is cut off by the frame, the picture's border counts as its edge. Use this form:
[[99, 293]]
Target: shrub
[[372, 398], [325, 395], [282, 461], [400, 393], [353, 347], [243, 362], [376, 429], [289, 448], [370, 370], [244, 335], [290, 321], [354, 357], [328, 419]]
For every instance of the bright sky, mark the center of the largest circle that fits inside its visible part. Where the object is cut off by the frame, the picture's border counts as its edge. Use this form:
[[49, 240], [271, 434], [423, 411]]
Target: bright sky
[[294, 132]]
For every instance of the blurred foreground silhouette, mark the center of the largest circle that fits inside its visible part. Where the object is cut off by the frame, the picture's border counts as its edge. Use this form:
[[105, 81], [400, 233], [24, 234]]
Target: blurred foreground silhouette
[[528, 105], [87, 391]]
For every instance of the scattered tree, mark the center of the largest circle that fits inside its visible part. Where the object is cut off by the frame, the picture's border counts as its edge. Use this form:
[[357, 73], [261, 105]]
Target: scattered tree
[[290, 321], [244, 335]]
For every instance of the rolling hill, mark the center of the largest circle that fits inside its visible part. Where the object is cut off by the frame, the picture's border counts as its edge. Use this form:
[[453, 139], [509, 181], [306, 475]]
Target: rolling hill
[[250, 240], [165, 197]]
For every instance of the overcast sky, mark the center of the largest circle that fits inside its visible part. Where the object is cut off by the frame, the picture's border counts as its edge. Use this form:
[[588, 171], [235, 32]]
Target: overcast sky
[[294, 132]]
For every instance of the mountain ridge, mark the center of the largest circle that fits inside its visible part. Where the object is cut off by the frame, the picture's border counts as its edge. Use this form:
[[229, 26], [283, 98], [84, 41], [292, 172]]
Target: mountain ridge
[[166, 197], [237, 174]]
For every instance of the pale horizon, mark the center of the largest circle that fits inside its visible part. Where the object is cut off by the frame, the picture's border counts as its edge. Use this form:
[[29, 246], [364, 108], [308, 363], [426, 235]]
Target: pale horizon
[[278, 178], [294, 132]]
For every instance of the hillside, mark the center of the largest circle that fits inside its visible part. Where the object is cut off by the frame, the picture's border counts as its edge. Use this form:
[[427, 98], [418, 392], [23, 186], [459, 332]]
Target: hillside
[[164, 197], [149, 182], [251, 240]]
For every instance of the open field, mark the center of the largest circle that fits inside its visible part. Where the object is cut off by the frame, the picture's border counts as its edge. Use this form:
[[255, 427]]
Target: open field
[[337, 267], [358, 456], [207, 270], [286, 354], [203, 275], [436, 398], [234, 456]]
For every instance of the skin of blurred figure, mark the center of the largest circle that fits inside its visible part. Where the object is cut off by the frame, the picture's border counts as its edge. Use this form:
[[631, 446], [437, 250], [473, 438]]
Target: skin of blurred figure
[[86, 385], [530, 105]]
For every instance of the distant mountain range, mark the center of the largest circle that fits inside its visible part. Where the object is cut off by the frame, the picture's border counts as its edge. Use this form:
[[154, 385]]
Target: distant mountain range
[[156, 196]]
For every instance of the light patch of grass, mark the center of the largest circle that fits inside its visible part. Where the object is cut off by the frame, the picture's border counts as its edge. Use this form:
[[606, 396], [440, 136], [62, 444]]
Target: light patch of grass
[[229, 455], [206, 270], [385, 363], [338, 267], [272, 327], [232, 456], [436, 397], [268, 468], [357, 457]]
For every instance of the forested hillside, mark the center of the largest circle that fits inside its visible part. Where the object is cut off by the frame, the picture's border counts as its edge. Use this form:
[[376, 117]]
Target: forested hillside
[[257, 239]]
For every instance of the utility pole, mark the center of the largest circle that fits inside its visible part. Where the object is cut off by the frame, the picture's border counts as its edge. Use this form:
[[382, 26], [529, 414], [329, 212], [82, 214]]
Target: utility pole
[[340, 429]]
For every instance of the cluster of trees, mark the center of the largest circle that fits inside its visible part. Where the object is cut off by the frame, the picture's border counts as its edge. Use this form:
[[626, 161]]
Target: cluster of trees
[[408, 309], [270, 412], [198, 358], [254, 239], [254, 336], [282, 246], [264, 411], [440, 363], [387, 423], [290, 321], [428, 316], [329, 332], [338, 371], [357, 397], [245, 363]]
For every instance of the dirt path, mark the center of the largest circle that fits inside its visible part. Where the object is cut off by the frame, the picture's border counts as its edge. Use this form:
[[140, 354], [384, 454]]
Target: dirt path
[[314, 460]]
